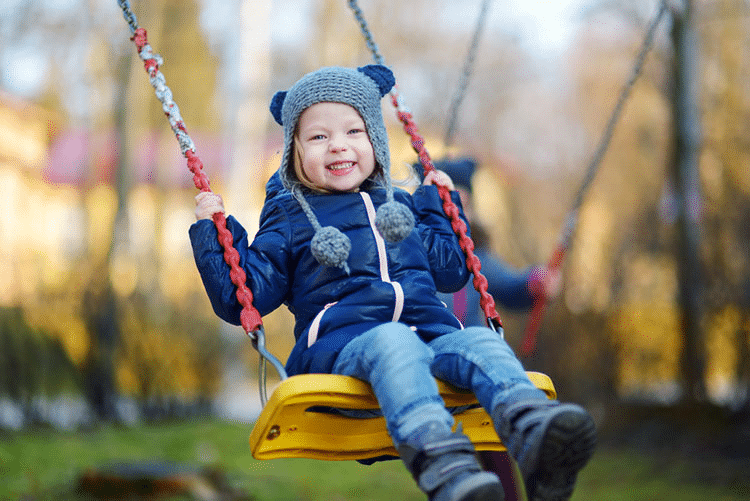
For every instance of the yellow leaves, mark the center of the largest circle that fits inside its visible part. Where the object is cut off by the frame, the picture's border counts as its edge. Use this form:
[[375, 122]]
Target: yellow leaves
[[123, 272], [127, 379], [40, 233], [143, 215], [76, 340], [61, 318], [162, 361], [648, 337], [101, 207], [721, 352], [646, 326], [23, 135], [589, 262], [649, 277]]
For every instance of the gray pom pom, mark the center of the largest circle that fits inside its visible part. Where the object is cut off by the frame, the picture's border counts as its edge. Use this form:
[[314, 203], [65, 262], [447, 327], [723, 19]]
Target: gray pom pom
[[394, 220], [330, 247]]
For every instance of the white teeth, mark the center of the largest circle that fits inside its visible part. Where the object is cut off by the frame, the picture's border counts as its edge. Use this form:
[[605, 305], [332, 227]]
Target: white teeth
[[344, 165]]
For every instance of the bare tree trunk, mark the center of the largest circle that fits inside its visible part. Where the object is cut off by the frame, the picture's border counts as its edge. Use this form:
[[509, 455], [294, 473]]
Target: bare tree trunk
[[101, 304], [743, 359], [686, 179]]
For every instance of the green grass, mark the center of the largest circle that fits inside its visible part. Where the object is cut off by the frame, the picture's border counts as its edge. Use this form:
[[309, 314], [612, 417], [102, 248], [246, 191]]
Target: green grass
[[622, 475], [46, 464]]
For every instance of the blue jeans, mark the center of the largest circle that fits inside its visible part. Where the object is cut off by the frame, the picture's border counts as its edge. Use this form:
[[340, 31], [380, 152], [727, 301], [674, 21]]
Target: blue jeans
[[401, 368]]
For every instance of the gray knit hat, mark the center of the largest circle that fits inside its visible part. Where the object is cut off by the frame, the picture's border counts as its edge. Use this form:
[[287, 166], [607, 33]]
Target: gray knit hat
[[361, 89]]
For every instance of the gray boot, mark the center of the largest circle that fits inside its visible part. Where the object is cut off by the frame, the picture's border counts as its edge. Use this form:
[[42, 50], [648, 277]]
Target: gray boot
[[550, 442], [446, 468]]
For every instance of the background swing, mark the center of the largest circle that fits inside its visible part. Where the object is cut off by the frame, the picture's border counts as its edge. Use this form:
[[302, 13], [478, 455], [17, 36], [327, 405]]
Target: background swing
[[571, 220]]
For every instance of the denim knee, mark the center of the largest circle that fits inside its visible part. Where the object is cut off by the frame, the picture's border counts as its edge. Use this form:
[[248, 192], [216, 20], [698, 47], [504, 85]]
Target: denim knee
[[396, 362], [385, 346], [395, 340], [475, 344], [480, 360]]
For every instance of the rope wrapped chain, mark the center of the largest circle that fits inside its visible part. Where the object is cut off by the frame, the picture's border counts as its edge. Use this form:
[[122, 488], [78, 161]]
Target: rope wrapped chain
[[249, 317]]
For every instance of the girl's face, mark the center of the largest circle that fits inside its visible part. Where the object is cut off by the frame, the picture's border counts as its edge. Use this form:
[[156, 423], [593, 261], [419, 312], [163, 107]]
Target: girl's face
[[336, 152]]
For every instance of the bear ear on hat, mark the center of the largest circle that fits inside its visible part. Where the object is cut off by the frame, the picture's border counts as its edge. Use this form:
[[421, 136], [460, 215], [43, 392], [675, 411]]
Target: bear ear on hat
[[276, 104], [382, 75]]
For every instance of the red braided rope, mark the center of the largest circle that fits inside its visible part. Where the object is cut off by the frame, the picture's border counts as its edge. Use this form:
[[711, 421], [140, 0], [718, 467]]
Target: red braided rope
[[528, 345], [249, 317], [486, 300]]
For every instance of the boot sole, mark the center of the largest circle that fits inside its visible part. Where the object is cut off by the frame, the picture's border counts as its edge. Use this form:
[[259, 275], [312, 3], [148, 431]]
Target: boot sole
[[568, 444], [482, 486]]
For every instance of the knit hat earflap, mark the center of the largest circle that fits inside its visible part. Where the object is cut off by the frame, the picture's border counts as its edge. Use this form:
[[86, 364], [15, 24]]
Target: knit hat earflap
[[361, 89]]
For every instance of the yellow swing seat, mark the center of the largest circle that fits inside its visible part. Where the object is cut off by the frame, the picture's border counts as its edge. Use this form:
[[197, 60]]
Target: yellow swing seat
[[292, 424]]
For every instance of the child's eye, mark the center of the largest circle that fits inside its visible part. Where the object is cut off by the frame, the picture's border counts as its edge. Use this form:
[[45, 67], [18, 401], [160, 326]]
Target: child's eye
[[317, 137], [356, 131]]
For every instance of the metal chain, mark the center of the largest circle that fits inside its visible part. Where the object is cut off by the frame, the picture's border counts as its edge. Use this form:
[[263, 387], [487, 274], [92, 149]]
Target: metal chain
[[128, 14], [463, 82], [250, 319], [369, 40], [596, 160]]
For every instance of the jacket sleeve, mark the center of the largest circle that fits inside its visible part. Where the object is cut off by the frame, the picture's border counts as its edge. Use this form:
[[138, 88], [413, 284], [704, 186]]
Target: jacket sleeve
[[265, 262], [508, 286], [447, 260]]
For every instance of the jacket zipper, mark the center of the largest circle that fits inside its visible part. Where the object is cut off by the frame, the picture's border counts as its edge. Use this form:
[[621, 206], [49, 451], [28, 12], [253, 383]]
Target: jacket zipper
[[383, 258], [312, 334], [398, 308]]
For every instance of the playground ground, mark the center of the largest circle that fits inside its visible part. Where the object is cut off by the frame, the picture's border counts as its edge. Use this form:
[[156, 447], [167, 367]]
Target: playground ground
[[213, 458]]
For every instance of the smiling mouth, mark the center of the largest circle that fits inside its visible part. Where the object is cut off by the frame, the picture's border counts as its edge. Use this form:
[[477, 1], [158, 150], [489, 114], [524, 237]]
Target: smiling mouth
[[340, 166]]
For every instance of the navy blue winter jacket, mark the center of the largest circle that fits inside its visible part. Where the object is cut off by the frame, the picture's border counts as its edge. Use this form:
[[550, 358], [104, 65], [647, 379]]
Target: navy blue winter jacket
[[387, 281]]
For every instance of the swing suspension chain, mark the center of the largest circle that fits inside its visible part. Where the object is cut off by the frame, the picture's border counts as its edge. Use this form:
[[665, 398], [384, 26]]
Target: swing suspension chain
[[151, 62], [466, 74], [596, 160], [571, 220], [486, 301], [369, 40], [250, 318], [480, 283]]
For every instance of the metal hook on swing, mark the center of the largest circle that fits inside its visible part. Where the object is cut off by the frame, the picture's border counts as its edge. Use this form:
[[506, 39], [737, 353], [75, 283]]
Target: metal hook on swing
[[496, 325], [258, 338]]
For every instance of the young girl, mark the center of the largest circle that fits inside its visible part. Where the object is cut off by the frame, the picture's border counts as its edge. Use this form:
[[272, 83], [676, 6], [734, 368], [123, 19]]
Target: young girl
[[359, 264]]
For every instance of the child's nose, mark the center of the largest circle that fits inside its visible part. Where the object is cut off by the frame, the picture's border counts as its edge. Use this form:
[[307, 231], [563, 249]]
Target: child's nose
[[337, 143]]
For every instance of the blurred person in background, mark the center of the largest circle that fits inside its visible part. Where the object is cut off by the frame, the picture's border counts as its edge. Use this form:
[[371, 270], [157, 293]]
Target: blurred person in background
[[514, 289]]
